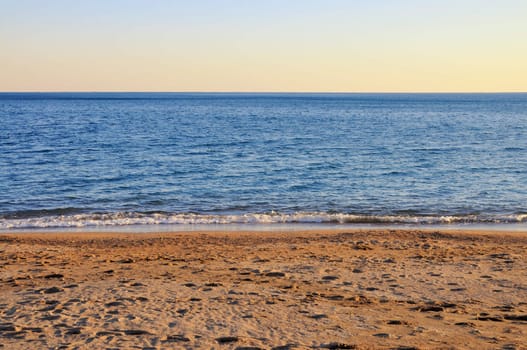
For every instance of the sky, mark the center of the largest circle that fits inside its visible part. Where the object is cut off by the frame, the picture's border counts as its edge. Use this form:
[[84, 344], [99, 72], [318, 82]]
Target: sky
[[264, 45]]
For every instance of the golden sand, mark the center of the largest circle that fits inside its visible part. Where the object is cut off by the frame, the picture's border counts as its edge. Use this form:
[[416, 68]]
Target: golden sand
[[379, 289]]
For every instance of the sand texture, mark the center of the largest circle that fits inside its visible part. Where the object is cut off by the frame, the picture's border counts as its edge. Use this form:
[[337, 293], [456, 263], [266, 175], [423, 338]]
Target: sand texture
[[379, 289]]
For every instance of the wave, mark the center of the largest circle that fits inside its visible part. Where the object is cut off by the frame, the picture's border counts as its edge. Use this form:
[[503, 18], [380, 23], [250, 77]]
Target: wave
[[135, 218]]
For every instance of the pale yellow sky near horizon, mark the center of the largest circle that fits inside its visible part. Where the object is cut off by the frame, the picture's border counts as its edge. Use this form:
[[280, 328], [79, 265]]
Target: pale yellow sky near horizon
[[235, 45]]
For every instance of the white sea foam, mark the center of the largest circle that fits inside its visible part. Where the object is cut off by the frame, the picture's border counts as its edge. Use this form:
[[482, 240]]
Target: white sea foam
[[130, 218]]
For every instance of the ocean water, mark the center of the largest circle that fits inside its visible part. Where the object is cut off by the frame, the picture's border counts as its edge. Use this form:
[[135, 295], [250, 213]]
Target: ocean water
[[113, 159]]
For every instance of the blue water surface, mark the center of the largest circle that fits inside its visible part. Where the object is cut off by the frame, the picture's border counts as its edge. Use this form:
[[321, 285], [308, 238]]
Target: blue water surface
[[81, 159]]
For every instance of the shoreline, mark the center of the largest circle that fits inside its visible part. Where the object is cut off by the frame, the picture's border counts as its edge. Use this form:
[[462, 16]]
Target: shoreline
[[311, 289], [270, 227], [285, 233]]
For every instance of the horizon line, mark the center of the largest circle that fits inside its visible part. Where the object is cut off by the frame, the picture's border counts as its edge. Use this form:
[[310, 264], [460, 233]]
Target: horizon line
[[252, 92]]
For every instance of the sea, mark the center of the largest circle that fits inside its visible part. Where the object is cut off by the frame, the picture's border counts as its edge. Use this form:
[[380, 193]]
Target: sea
[[180, 160]]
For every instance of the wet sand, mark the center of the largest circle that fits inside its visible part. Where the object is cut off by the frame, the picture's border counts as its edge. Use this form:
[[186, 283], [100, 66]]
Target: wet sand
[[364, 289]]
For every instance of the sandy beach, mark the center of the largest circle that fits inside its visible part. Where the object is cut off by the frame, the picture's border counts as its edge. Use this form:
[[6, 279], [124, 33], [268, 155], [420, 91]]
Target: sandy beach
[[364, 289]]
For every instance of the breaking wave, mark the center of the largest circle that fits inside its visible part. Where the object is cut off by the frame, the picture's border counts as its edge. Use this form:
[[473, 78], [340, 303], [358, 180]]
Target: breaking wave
[[134, 218]]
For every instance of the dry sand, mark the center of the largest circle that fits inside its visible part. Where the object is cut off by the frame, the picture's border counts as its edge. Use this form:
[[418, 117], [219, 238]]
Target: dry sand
[[382, 289]]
